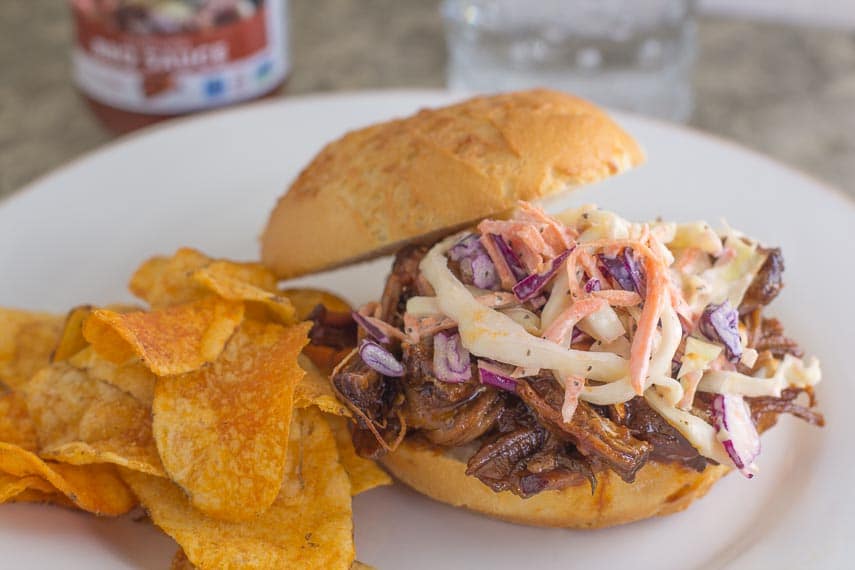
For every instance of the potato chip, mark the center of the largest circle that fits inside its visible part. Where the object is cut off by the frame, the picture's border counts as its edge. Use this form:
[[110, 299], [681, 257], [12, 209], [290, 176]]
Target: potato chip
[[164, 281], [94, 488], [53, 497], [309, 525], [364, 474], [221, 430], [305, 300], [11, 486], [357, 565], [27, 340], [315, 390], [16, 427], [180, 562], [71, 340], [221, 278], [81, 420], [132, 376], [174, 340]]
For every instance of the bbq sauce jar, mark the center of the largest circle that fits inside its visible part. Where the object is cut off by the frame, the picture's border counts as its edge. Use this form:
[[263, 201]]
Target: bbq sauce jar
[[141, 61]]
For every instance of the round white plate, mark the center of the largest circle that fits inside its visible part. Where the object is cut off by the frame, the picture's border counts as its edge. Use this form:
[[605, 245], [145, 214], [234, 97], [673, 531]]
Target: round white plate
[[76, 235]]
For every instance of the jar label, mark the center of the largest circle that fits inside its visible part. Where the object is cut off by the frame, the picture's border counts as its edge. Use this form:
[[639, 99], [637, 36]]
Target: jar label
[[179, 56]]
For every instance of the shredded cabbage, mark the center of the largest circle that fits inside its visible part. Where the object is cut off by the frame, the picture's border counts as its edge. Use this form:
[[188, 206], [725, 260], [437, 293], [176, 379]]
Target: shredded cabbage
[[603, 325], [558, 301], [697, 356], [699, 235], [490, 334], [700, 434], [791, 372], [423, 306], [726, 382], [728, 280]]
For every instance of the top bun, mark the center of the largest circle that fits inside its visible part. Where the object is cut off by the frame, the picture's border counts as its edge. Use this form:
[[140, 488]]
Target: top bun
[[414, 179]]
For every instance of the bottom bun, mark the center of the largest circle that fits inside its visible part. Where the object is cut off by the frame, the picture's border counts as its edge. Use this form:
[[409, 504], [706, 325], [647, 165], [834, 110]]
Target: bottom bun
[[659, 489]]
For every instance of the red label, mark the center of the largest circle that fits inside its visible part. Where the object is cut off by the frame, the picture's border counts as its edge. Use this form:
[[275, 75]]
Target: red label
[[162, 54]]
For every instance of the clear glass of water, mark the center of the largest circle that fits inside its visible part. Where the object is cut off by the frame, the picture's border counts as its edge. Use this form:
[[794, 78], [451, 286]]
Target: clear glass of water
[[635, 55]]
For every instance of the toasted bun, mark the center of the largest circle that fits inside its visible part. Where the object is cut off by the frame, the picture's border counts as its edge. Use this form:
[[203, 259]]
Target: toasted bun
[[413, 179], [659, 489]]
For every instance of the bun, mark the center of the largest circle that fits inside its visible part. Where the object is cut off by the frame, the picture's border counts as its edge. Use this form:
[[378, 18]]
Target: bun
[[659, 489], [415, 179]]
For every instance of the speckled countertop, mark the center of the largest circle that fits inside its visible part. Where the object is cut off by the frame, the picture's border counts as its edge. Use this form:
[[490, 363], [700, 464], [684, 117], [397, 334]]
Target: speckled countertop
[[786, 91]]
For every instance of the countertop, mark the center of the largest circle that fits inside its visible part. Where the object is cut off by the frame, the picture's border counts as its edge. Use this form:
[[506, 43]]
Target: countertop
[[785, 91]]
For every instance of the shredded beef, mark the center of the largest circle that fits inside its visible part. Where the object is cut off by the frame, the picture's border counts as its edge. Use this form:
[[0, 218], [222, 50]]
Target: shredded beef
[[765, 409], [448, 413], [523, 445], [332, 329], [669, 446], [499, 463], [766, 284], [373, 399], [403, 282], [771, 337], [593, 434]]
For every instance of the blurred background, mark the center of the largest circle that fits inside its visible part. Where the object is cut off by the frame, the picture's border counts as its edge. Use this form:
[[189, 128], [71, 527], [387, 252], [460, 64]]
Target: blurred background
[[777, 76]]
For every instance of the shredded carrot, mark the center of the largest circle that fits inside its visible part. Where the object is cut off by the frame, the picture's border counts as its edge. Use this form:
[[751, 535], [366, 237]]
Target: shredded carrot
[[589, 264], [642, 342], [689, 255], [417, 327], [573, 386], [497, 300], [561, 330], [386, 328], [527, 241], [559, 236], [618, 297], [679, 304], [506, 277], [572, 278]]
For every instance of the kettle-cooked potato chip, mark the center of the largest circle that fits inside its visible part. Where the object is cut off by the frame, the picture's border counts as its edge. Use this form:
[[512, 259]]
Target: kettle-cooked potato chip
[[16, 426], [95, 488], [41, 497], [305, 300], [71, 340], [81, 420], [224, 279], [132, 376], [180, 562], [174, 340], [308, 526], [27, 340], [364, 474], [221, 430], [315, 390], [164, 281], [11, 486]]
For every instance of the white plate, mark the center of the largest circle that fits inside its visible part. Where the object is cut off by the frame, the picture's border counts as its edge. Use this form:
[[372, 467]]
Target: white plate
[[76, 235]]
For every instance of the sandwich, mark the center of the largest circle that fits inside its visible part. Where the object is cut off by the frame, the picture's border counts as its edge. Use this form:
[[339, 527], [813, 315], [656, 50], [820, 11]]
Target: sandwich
[[570, 370]]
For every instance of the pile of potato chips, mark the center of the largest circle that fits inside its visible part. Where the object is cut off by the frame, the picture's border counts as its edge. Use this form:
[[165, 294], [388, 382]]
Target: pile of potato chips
[[201, 409]]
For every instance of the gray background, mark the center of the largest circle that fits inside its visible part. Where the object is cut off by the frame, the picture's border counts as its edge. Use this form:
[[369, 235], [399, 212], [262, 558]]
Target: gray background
[[785, 90]]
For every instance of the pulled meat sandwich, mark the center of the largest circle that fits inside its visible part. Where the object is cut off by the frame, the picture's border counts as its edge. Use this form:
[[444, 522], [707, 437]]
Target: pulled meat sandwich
[[575, 370]]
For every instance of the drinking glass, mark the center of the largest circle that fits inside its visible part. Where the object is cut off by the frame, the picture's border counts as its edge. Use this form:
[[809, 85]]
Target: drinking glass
[[635, 55]]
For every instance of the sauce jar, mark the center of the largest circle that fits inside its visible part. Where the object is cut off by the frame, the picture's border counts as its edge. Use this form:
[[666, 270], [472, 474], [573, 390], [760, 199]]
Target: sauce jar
[[141, 61]]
